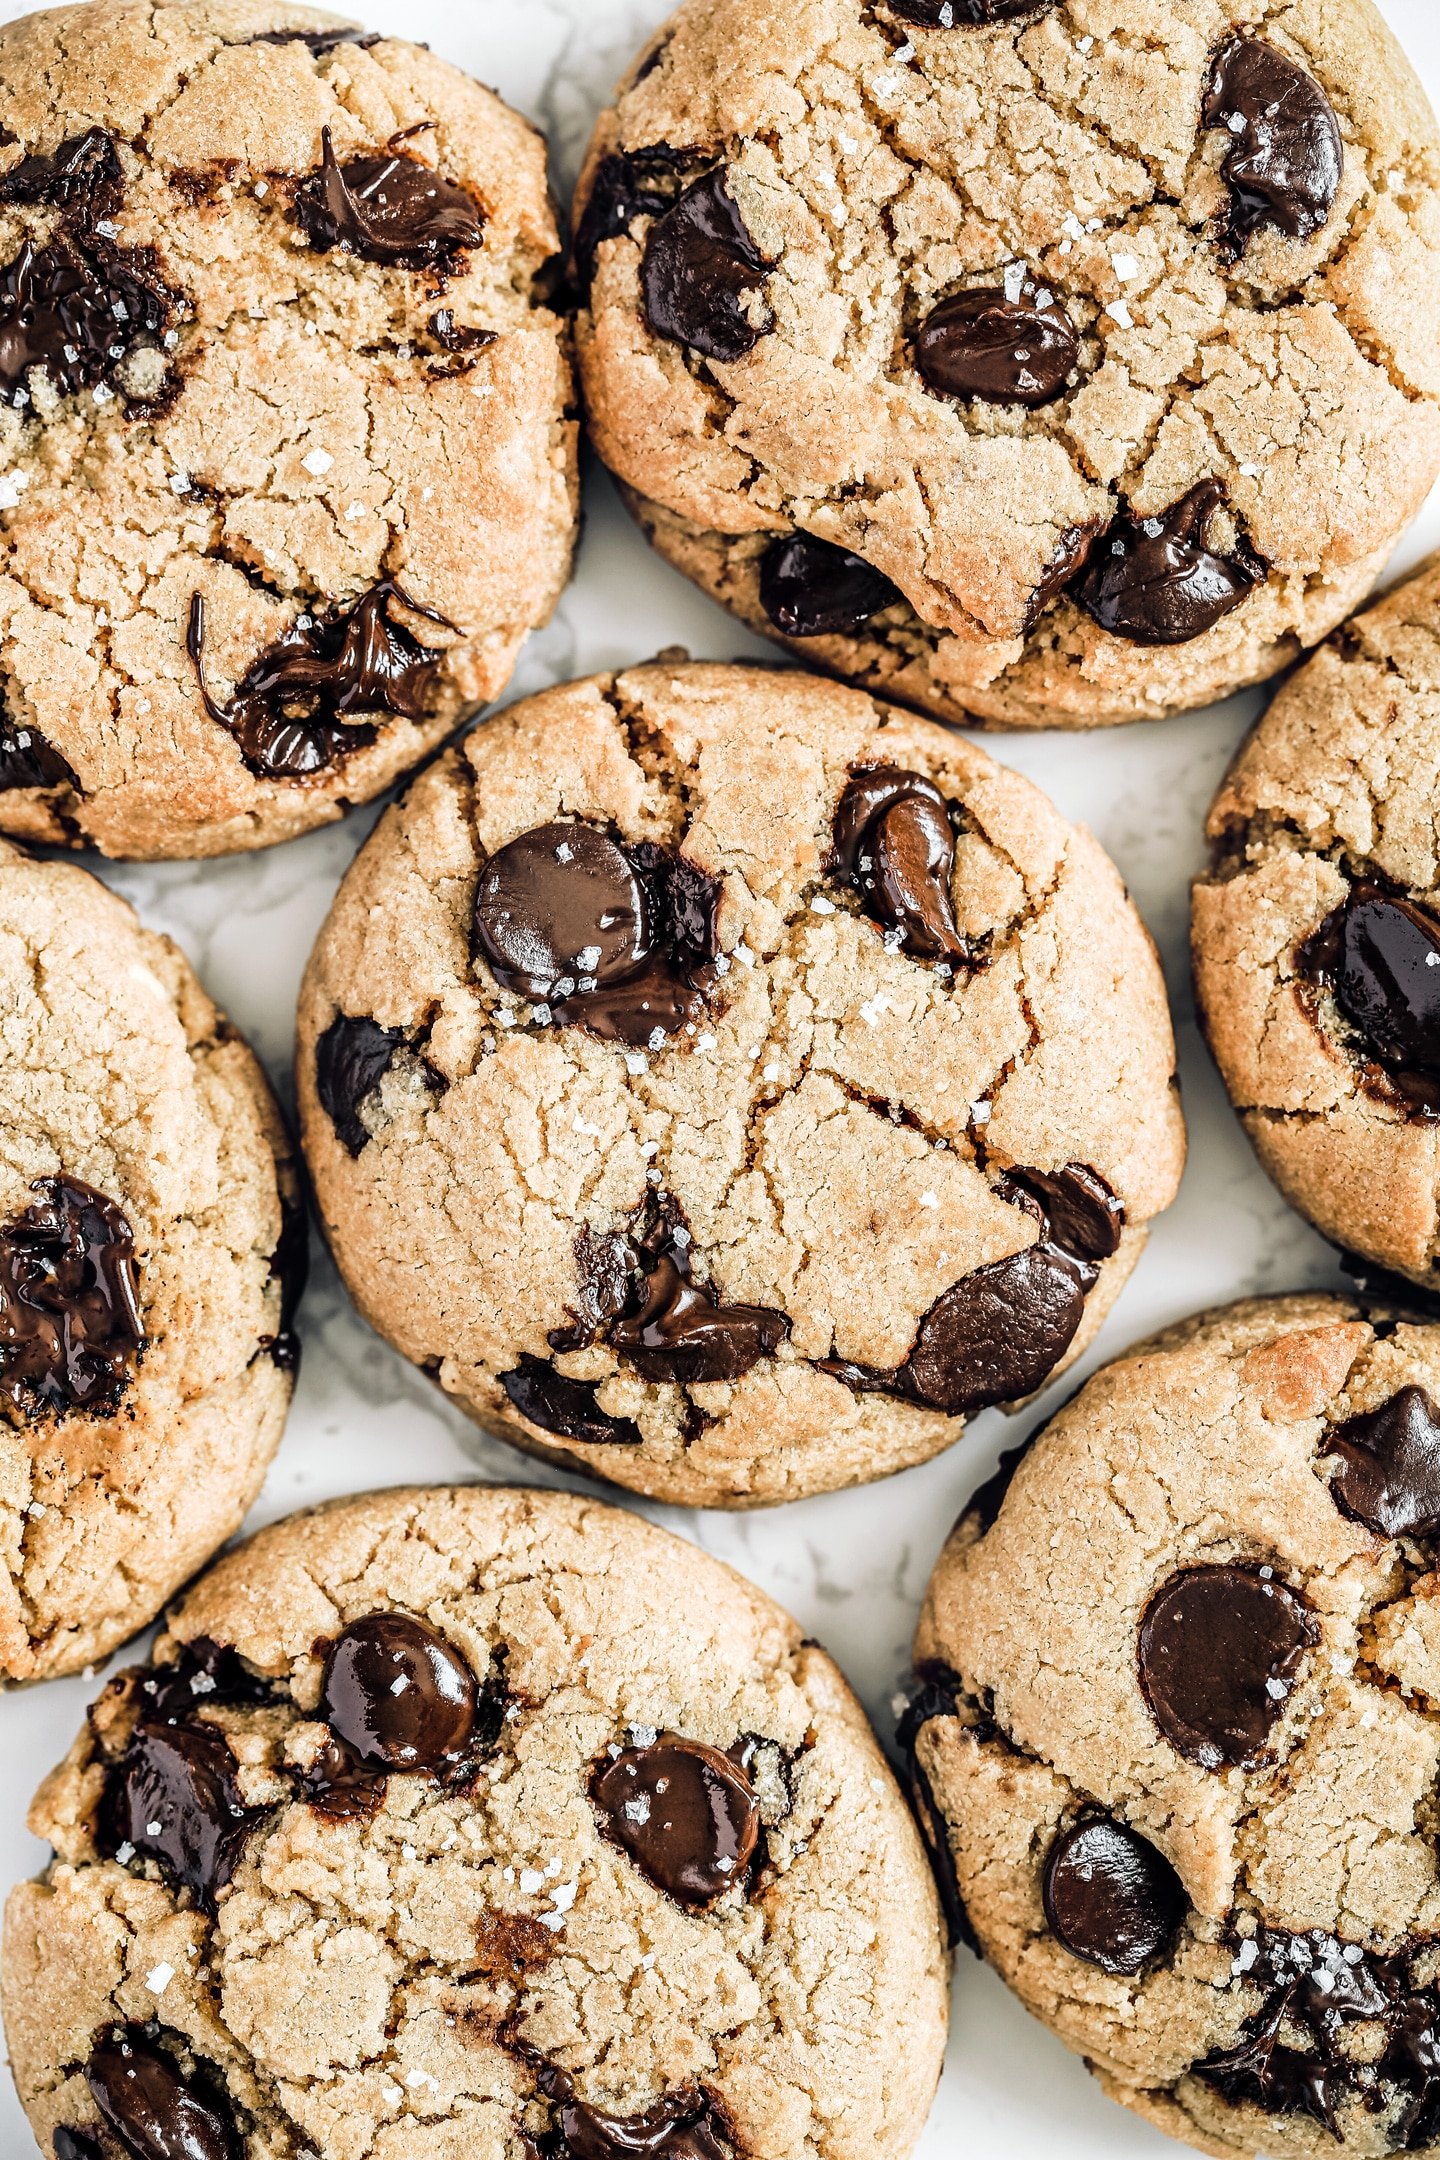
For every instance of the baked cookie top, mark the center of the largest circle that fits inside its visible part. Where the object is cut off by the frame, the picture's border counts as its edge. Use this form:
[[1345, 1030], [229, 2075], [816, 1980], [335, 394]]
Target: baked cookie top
[[489, 1822], [1179, 1744], [1104, 336], [151, 1250], [286, 472], [1317, 939], [726, 1084]]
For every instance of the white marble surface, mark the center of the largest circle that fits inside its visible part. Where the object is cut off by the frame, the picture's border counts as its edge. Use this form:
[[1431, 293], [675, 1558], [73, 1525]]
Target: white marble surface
[[851, 1567]]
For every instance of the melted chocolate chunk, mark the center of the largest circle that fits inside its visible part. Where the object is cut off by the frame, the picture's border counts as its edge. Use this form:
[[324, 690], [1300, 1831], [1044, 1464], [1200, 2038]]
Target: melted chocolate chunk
[[628, 184], [811, 588], [458, 337], [75, 307], [390, 209], [894, 842], [684, 2125], [614, 939], [983, 344], [984, 1505], [174, 1798], [1220, 1649], [27, 760], [67, 2144], [204, 1671], [938, 1697], [319, 41], [338, 1786], [1389, 1477], [1084, 1215], [155, 2112], [699, 266], [1154, 581], [602, 1269], [70, 1326], [1110, 1897], [968, 14], [1285, 157], [1380, 956], [1072, 553], [1317, 1985], [678, 1330], [352, 1057], [565, 1407], [686, 1814], [290, 710], [83, 173], [398, 1696]]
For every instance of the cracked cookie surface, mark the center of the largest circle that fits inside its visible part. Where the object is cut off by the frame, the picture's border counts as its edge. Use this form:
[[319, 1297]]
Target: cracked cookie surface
[[150, 1216], [462, 1955], [997, 290], [287, 470], [860, 1131], [1316, 934], [1178, 1745]]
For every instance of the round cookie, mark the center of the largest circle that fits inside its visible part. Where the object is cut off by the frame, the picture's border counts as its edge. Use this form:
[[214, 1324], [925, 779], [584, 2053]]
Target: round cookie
[[1178, 1745], [287, 470], [494, 1823], [1053, 365], [725, 1084], [152, 1249], [1316, 935]]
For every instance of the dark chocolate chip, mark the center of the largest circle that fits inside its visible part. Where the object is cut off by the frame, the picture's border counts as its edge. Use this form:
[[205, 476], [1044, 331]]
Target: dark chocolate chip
[[565, 1407], [1389, 1477], [628, 184], [1380, 956], [1110, 1897], [155, 2112], [614, 939], [1085, 1216], [1072, 552], [894, 842], [83, 174], [678, 1330], [683, 2125], [699, 266], [968, 14], [984, 1505], [1154, 581], [319, 41], [70, 1326], [68, 2144], [1000, 1331], [290, 711], [983, 344], [352, 1057], [458, 337], [686, 1814], [338, 1785], [75, 307], [811, 588], [1285, 156], [27, 760], [174, 1798], [602, 1269], [937, 1697], [204, 1672], [398, 1695], [1220, 1649], [390, 209]]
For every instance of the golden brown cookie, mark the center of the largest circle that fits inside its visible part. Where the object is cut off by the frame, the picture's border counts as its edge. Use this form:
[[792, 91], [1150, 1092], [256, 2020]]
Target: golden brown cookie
[[286, 467], [152, 1243], [726, 1084], [1049, 365], [1179, 1745], [484, 1823]]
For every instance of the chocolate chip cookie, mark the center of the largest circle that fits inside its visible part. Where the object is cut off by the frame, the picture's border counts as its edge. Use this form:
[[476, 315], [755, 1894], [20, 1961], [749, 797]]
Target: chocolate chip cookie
[[726, 1084], [1024, 363], [1316, 935], [1177, 1742], [476, 1822], [152, 1245], [286, 472]]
